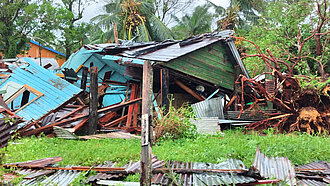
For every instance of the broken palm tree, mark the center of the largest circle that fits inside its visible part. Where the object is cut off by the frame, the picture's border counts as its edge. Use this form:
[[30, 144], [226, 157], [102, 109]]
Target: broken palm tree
[[303, 101]]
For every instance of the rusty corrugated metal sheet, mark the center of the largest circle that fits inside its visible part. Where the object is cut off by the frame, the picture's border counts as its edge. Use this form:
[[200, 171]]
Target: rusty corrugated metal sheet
[[275, 167], [322, 166], [315, 173], [7, 126], [38, 163], [5, 132]]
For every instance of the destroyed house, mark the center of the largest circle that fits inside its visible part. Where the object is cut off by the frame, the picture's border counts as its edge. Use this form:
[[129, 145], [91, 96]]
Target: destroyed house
[[193, 68]]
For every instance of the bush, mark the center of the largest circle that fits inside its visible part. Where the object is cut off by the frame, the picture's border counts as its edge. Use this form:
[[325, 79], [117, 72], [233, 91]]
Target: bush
[[175, 123]]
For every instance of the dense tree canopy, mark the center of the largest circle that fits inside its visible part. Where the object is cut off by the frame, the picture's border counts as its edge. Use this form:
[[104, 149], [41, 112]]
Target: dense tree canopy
[[282, 29], [17, 20], [279, 26]]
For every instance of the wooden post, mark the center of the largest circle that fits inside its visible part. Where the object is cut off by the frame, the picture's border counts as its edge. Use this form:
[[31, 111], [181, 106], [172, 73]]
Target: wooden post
[[115, 32], [146, 133], [165, 88], [131, 107], [84, 78], [93, 101]]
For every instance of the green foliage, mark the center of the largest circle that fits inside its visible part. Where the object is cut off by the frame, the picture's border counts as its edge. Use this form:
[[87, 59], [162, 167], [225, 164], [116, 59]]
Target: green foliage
[[74, 151], [60, 27], [299, 148], [133, 178], [197, 23], [277, 31], [313, 82], [175, 124], [240, 14], [17, 20]]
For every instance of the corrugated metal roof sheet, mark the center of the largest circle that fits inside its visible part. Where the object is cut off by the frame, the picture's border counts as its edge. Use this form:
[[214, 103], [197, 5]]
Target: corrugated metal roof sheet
[[47, 48], [275, 167], [323, 166], [209, 108], [205, 178], [7, 126], [315, 173], [55, 90], [61, 177]]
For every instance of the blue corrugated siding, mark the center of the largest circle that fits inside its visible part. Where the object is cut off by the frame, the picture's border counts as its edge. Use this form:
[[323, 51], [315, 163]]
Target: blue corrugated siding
[[55, 90]]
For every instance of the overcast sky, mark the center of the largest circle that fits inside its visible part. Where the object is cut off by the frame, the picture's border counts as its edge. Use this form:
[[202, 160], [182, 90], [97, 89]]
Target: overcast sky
[[97, 8]]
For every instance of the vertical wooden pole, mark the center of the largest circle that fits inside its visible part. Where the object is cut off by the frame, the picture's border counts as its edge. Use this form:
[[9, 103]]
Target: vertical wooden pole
[[136, 108], [146, 133], [130, 108], [115, 32], [93, 101], [165, 88], [84, 78]]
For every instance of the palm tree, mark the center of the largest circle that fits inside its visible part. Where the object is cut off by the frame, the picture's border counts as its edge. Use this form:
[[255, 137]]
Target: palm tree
[[197, 23], [134, 20], [240, 13]]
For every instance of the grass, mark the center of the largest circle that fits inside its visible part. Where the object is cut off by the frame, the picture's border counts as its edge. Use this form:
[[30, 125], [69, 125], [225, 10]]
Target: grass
[[299, 148]]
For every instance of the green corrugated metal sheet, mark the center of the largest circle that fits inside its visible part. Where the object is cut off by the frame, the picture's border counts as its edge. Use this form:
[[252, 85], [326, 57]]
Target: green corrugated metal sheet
[[209, 63]]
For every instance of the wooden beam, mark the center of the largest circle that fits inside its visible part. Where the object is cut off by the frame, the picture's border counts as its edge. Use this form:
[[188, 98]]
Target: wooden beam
[[84, 78], [165, 85], [146, 122], [230, 102], [115, 32], [187, 89], [130, 108], [136, 108], [115, 122], [80, 124], [93, 102]]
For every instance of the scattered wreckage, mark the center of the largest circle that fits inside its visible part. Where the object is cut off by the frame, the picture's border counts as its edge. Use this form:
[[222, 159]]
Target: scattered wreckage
[[197, 69], [265, 170]]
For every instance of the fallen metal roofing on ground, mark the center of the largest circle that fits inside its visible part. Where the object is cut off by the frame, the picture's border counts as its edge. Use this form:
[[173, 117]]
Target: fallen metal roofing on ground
[[275, 167], [228, 172]]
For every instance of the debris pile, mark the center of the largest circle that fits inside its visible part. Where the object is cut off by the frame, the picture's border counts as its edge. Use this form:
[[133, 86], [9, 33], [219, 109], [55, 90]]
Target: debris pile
[[302, 102], [44, 100], [232, 171]]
